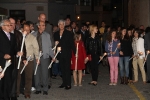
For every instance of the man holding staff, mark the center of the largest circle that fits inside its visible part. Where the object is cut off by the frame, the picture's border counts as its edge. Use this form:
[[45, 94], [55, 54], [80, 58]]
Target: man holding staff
[[66, 42], [45, 46], [32, 49]]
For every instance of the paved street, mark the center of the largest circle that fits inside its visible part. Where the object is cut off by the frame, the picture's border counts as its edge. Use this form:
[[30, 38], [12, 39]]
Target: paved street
[[102, 91]]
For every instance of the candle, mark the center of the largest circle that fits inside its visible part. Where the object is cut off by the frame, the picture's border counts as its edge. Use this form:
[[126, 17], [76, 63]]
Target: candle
[[58, 50], [24, 35], [7, 64], [117, 46], [28, 59], [1, 69], [145, 58], [76, 57], [56, 43], [37, 63], [102, 57]]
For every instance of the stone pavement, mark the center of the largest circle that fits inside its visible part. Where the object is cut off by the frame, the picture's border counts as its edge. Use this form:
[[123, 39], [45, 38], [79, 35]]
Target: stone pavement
[[100, 92]]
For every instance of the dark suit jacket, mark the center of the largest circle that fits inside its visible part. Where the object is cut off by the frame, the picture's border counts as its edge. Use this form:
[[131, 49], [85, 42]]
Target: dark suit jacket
[[147, 41], [66, 43], [6, 47]]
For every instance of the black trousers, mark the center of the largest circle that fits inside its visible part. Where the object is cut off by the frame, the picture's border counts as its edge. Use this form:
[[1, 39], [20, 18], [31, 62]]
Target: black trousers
[[130, 70], [94, 67], [148, 67], [65, 64]]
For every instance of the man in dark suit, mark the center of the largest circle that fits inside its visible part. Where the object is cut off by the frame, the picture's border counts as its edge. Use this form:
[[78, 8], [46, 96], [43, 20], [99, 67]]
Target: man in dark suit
[[147, 48], [7, 52], [66, 42]]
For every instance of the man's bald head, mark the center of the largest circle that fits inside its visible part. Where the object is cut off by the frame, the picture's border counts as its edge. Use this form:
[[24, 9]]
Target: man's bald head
[[42, 17], [13, 24]]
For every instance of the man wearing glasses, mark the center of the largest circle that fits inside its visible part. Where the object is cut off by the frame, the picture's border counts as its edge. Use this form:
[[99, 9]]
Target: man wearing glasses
[[7, 52]]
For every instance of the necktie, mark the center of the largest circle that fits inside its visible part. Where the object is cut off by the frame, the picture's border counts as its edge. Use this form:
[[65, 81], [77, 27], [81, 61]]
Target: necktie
[[8, 35]]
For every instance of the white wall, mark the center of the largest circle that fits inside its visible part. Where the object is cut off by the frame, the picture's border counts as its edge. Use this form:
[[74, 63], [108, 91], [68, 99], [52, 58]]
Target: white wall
[[30, 9]]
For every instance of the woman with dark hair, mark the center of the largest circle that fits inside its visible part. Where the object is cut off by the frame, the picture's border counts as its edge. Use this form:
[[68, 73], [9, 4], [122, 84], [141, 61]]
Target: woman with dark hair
[[112, 49], [125, 53], [130, 34], [139, 55]]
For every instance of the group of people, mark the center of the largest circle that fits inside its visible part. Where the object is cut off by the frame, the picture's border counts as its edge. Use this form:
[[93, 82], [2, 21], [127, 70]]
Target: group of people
[[80, 49]]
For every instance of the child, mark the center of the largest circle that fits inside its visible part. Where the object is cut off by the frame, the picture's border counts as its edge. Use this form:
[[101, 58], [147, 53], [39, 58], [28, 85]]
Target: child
[[78, 60]]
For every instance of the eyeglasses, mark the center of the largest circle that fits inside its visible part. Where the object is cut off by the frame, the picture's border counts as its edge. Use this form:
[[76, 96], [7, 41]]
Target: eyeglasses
[[7, 25]]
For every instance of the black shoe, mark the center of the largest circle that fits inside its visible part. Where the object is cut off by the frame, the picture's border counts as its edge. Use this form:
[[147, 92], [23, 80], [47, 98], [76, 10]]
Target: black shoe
[[13, 98], [148, 81], [87, 73], [45, 93], [49, 86], [68, 87], [37, 92], [61, 86]]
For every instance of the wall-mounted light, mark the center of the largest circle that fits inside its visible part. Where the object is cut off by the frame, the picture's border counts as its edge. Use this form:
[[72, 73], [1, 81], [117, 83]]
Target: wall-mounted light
[[78, 17], [115, 7]]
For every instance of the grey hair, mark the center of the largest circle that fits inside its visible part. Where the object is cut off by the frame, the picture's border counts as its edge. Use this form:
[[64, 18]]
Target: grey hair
[[38, 23], [61, 20], [3, 21]]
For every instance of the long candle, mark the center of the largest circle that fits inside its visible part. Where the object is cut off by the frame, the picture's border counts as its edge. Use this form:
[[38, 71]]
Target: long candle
[[28, 59], [102, 57], [145, 59], [1, 69], [58, 50], [37, 63], [7, 64], [76, 57], [56, 43], [117, 47], [21, 49]]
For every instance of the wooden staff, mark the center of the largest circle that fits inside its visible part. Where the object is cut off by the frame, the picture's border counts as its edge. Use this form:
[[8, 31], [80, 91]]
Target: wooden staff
[[145, 59], [76, 57], [102, 57], [28, 59], [24, 35], [7, 64], [117, 46], [58, 50], [37, 63]]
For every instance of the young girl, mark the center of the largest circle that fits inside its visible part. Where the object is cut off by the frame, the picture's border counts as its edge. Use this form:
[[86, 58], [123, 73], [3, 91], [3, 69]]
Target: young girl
[[113, 56], [78, 60], [93, 48]]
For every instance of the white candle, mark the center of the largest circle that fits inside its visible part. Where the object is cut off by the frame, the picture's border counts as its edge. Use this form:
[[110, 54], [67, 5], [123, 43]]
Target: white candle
[[24, 34], [76, 57], [102, 57], [28, 59], [1, 69], [117, 47], [7, 64], [56, 43], [145, 59], [58, 50], [37, 63]]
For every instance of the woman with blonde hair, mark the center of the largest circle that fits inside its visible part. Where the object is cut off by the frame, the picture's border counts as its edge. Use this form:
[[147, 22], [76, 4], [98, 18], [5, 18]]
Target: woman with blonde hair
[[93, 48]]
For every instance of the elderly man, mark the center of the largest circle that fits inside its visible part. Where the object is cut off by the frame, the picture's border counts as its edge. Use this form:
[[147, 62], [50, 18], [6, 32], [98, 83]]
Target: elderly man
[[32, 49], [45, 46], [19, 37], [7, 52], [66, 42]]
